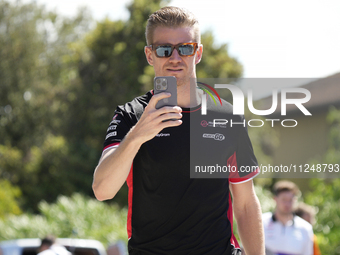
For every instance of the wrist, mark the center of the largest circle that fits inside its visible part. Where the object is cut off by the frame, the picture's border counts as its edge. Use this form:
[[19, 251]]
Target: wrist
[[133, 139]]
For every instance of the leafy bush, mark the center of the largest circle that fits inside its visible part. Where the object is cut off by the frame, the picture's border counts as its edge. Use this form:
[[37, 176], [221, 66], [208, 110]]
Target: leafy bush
[[325, 193], [74, 217], [326, 197], [8, 196]]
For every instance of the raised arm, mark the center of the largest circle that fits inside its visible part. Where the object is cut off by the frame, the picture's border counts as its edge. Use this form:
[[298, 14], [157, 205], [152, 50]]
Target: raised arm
[[248, 216], [115, 163]]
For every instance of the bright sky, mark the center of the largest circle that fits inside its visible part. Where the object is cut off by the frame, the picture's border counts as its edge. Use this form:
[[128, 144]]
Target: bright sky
[[283, 39]]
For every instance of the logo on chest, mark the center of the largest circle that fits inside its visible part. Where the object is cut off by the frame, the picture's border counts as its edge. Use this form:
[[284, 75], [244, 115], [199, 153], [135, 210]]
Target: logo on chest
[[217, 136], [162, 134], [205, 123]]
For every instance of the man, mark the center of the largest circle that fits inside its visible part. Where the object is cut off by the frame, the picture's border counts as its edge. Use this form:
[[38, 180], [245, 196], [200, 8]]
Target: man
[[169, 212], [286, 233], [48, 247]]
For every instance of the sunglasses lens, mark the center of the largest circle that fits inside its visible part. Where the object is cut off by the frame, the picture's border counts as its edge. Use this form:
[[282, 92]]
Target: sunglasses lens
[[163, 51], [186, 50]]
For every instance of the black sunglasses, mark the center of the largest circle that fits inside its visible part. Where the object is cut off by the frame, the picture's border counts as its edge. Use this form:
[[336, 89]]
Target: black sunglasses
[[183, 49]]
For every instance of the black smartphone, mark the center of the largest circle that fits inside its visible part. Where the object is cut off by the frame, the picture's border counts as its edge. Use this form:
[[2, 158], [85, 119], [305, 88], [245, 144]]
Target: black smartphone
[[166, 84]]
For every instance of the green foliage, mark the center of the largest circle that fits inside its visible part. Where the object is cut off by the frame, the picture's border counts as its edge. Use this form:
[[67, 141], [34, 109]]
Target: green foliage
[[75, 217], [325, 194], [46, 171], [8, 196], [216, 62], [10, 163], [35, 76], [333, 153], [266, 199]]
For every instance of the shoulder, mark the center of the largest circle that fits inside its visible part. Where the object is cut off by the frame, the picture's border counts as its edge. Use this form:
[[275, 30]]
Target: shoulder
[[302, 224], [219, 105], [140, 101], [136, 107]]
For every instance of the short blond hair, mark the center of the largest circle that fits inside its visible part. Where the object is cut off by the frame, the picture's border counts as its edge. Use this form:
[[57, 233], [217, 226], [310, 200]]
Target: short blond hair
[[172, 17]]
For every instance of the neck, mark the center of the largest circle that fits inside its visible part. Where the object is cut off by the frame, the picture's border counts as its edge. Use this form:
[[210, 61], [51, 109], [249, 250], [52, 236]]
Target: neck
[[283, 217], [188, 95]]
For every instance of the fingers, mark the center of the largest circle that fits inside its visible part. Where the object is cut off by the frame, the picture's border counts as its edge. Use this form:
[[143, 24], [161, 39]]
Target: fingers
[[166, 113], [154, 120], [169, 116], [151, 123], [170, 123], [151, 107], [155, 98], [169, 109], [153, 117]]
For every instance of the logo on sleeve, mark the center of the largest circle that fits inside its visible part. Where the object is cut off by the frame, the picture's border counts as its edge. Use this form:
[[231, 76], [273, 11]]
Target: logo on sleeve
[[115, 122], [111, 134], [111, 128]]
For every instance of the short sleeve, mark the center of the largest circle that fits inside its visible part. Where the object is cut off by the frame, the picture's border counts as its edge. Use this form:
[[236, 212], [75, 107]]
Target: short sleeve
[[118, 128], [124, 118]]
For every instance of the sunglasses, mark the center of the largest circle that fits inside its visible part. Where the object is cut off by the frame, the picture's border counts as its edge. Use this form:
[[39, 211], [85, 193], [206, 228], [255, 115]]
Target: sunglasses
[[183, 49]]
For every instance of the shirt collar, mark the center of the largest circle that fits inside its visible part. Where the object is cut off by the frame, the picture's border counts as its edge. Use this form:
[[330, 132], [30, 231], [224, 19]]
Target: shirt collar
[[274, 218]]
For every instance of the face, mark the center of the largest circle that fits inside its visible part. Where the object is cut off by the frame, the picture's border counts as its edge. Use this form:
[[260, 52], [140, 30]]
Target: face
[[284, 202], [182, 67]]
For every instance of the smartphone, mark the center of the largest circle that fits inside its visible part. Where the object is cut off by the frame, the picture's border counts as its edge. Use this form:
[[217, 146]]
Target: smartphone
[[166, 84]]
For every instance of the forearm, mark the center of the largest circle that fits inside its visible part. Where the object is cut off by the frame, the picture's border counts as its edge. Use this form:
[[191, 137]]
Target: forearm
[[114, 167], [249, 222]]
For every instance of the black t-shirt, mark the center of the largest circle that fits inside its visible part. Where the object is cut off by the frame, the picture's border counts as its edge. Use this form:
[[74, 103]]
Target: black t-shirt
[[169, 212]]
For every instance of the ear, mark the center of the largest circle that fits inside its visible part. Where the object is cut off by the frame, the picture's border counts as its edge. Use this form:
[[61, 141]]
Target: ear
[[199, 53], [148, 55], [275, 198]]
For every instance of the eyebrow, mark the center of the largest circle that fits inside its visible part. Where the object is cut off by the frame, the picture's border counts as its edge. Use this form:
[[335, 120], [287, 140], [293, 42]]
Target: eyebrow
[[191, 41]]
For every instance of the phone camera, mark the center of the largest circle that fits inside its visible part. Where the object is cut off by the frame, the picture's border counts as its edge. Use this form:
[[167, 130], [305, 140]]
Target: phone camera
[[158, 87]]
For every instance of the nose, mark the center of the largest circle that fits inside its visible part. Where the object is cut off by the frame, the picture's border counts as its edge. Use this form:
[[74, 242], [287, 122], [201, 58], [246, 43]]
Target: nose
[[175, 57]]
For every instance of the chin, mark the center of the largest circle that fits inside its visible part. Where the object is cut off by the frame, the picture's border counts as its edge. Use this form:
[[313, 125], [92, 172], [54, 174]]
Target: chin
[[182, 81]]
